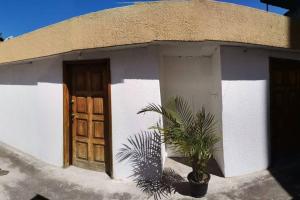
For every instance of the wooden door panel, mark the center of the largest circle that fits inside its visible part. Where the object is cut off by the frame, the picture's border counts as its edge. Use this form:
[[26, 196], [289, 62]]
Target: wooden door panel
[[89, 116], [82, 150], [82, 127], [99, 153], [81, 104], [98, 105], [285, 107], [98, 131]]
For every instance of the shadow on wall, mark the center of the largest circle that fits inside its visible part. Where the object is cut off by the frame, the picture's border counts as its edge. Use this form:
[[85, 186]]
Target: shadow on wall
[[143, 152], [129, 64], [144, 155], [244, 64], [31, 73]]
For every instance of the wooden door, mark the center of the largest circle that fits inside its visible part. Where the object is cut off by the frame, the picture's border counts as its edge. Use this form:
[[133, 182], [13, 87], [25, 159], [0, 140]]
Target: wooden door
[[285, 108], [89, 110]]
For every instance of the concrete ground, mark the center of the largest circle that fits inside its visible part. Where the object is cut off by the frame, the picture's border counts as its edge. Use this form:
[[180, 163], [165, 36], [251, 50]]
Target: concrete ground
[[29, 179]]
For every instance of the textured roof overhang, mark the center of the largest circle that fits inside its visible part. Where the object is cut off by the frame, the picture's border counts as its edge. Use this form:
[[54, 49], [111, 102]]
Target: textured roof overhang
[[195, 20]]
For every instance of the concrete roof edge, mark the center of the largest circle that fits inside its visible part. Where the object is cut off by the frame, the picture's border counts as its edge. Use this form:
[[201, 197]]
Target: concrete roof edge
[[184, 20]]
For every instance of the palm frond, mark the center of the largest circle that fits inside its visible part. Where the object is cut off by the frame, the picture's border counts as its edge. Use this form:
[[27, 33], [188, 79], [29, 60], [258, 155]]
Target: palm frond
[[192, 135], [184, 112], [167, 114], [144, 155]]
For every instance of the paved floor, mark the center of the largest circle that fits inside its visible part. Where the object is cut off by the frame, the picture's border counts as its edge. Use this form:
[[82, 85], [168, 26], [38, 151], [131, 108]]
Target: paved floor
[[281, 183], [28, 178]]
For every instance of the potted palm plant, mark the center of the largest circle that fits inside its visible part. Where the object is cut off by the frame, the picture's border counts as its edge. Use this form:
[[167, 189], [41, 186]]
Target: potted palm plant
[[192, 134]]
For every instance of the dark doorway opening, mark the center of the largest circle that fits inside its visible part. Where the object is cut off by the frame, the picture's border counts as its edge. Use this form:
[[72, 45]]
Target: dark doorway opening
[[39, 197], [284, 110]]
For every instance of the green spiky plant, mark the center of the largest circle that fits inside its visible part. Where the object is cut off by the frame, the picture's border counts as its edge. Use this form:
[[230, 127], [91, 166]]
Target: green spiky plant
[[143, 151], [191, 134]]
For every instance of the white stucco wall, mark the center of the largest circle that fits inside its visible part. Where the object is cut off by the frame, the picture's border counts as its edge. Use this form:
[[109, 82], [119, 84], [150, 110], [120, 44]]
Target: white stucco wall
[[231, 82], [135, 84], [31, 109], [245, 102], [189, 77], [216, 105], [193, 72], [31, 102], [245, 110], [239, 101]]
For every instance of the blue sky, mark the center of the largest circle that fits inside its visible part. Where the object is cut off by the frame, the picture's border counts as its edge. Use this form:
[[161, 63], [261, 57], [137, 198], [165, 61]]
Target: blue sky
[[22, 16]]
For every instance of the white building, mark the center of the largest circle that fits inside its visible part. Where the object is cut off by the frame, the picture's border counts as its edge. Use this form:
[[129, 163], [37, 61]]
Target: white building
[[70, 92]]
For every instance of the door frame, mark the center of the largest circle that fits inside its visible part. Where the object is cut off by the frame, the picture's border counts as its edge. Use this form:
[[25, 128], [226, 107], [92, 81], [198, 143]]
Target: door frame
[[67, 129], [272, 154]]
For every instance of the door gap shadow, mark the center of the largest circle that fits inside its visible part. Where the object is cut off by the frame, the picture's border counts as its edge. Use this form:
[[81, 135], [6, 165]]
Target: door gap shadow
[[286, 172], [39, 197]]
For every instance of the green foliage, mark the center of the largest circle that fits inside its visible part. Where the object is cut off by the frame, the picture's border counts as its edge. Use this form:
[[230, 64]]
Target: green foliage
[[143, 152], [190, 134]]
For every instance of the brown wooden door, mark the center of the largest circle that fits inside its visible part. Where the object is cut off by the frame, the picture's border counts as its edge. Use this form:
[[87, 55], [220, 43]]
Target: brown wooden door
[[285, 108], [89, 115]]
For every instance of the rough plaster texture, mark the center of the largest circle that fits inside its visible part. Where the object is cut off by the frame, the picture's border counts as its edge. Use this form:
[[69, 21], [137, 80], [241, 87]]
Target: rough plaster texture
[[194, 20], [32, 102], [245, 103], [193, 72], [31, 108], [189, 77], [216, 102], [245, 110]]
